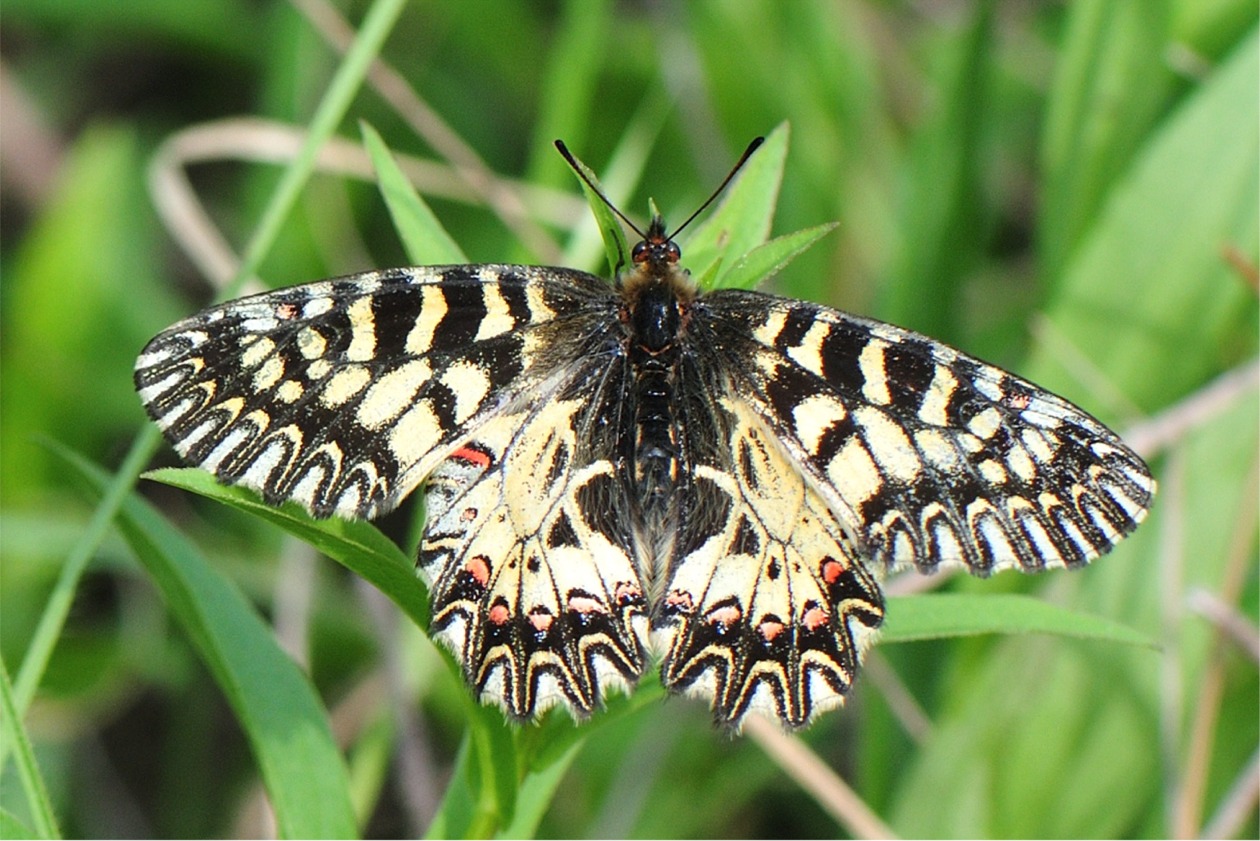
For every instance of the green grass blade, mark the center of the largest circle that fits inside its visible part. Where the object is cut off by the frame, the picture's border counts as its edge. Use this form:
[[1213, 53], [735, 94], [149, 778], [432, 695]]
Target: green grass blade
[[536, 792], [12, 828], [377, 24], [24, 757], [1148, 296], [766, 260], [272, 699], [620, 174], [567, 91], [744, 214], [941, 211], [937, 615], [1110, 84], [482, 793], [614, 237], [357, 545], [427, 243]]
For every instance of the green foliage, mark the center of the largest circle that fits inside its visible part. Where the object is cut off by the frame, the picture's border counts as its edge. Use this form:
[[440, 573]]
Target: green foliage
[[1066, 189]]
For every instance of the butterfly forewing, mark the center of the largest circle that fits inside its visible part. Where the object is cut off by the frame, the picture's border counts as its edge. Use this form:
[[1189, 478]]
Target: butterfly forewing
[[343, 395], [930, 456]]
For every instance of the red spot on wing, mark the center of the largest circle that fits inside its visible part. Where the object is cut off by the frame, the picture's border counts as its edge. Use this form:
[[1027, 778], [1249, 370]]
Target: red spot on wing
[[627, 593], [832, 570], [541, 620], [472, 454], [498, 614], [770, 628], [478, 566], [815, 618], [725, 615], [585, 604], [680, 600]]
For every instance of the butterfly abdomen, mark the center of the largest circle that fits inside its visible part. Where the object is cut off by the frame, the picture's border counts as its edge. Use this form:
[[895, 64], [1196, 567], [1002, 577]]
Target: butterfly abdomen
[[654, 315]]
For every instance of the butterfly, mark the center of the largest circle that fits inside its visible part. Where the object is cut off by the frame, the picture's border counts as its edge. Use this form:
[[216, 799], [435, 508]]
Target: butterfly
[[619, 471]]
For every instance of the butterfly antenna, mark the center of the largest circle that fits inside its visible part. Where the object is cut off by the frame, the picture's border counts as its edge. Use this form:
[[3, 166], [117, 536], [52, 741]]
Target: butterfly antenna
[[572, 161], [743, 159]]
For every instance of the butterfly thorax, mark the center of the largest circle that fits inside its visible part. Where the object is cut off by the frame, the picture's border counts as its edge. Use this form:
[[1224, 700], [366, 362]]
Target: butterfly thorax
[[656, 296]]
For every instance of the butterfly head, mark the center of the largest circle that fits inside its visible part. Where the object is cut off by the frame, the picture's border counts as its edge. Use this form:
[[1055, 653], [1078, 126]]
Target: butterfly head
[[656, 252]]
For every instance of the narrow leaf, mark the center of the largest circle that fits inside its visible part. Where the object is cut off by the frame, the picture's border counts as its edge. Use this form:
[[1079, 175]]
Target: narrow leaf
[[609, 225], [744, 214], [427, 243], [766, 260], [357, 545], [937, 615], [24, 758], [272, 699]]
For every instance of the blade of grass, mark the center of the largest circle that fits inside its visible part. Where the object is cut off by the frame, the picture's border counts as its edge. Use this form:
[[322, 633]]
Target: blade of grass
[[1147, 295], [422, 235], [942, 208], [744, 215], [767, 260], [621, 173], [377, 24], [348, 79], [615, 246], [357, 545], [936, 615], [272, 699], [536, 792], [24, 757], [11, 827], [1110, 83], [567, 94]]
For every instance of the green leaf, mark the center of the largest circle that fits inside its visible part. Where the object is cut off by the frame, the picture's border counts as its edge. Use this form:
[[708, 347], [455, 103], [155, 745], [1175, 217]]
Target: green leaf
[[567, 93], [615, 246], [357, 545], [744, 214], [427, 243], [481, 796], [942, 205], [24, 758], [1148, 297], [1111, 83], [938, 615], [11, 827], [272, 699], [766, 260]]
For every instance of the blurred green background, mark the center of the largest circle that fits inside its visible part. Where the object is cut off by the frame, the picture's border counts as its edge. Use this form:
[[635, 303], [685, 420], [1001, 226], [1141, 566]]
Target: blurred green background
[[1066, 189]]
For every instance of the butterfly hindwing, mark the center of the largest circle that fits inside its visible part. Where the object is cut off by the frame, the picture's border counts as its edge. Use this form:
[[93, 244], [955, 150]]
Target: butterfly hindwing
[[768, 607], [932, 456], [525, 549]]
